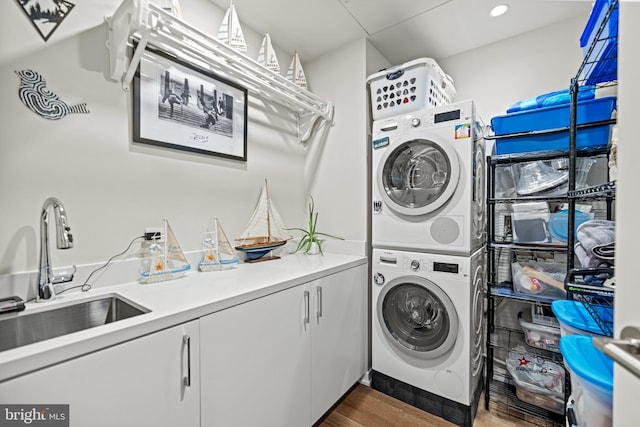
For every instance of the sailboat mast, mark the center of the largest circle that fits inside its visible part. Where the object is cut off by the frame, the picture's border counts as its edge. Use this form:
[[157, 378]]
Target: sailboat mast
[[266, 191], [217, 253], [166, 245], [230, 28]]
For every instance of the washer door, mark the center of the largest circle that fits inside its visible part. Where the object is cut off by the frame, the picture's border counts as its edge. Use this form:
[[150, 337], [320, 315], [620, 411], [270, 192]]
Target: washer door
[[477, 312], [417, 317], [418, 176]]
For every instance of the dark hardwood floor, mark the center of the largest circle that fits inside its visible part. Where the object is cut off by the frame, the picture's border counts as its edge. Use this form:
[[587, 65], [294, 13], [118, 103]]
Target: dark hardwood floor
[[365, 407]]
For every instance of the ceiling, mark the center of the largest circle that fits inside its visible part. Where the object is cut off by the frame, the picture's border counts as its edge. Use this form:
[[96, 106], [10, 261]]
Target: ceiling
[[401, 30]]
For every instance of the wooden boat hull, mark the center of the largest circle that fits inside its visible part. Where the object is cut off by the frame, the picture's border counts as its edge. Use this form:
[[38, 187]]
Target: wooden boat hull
[[257, 251]]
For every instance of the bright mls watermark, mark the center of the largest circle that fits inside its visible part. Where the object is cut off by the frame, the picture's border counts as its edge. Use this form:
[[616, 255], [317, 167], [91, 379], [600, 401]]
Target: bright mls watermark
[[34, 415]]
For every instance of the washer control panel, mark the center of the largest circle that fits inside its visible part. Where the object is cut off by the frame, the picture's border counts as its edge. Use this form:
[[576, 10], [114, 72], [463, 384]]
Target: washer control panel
[[398, 262]]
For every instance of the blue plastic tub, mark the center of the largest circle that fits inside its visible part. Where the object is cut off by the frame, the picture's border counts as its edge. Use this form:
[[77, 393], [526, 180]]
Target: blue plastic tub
[[553, 117], [575, 319], [602, 63], [559, 223], [591, 373]]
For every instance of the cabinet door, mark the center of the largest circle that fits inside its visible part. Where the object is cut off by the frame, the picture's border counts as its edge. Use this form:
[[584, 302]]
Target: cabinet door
[[339, 336], [138, 383], [256, 363]]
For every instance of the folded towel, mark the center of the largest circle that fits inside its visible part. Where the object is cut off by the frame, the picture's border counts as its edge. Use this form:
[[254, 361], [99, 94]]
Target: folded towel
[[605, 252], [597, 232], [588, 259]]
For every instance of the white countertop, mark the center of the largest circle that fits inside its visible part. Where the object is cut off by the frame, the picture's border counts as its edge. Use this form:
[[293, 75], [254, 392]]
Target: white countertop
[[171, 303]]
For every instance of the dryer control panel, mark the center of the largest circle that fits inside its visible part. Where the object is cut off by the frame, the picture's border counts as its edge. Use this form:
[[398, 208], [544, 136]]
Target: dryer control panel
[[462, 112]]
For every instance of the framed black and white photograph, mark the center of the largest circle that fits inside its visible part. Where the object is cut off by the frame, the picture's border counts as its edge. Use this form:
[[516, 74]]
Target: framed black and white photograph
[[176, 105]]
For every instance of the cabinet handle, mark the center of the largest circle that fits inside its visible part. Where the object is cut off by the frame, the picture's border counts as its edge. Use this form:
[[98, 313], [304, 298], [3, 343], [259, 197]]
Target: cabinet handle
[[186, 340], [319, 292], [306, 307]]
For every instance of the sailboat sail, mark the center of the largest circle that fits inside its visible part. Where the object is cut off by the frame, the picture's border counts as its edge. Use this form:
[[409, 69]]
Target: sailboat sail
[[230, 31], [218, 254], [295, 73], [267, 55], [166, 260], [265, 231]]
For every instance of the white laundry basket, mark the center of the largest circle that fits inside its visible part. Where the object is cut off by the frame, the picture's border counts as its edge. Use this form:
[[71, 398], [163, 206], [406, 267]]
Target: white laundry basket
[[412, 86]]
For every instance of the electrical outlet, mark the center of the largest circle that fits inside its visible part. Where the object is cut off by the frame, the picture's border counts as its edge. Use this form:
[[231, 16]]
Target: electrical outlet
[[155, 234]]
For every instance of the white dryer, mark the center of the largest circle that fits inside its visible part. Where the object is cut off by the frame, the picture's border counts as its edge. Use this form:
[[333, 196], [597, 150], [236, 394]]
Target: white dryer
[[428, 183], [427, 330]]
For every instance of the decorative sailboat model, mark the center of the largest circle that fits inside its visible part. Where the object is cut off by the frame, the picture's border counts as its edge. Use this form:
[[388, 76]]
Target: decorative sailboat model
[[267, 55], [165, 260], [230, 31], [264, 232], [218, 253], [295, 73]]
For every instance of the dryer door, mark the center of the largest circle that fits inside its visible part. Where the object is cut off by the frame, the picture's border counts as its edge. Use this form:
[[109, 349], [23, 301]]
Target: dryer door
[[479, 190], [418, 176], [417, 317]]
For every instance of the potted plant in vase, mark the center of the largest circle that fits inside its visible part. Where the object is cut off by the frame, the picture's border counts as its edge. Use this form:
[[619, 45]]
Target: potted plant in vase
[[310, 243]]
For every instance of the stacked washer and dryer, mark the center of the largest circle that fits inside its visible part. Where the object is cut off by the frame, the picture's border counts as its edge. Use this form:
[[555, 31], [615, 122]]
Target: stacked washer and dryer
[[428, 236]]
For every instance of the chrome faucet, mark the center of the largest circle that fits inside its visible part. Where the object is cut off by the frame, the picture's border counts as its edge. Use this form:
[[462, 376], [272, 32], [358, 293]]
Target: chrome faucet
[[64, 240]]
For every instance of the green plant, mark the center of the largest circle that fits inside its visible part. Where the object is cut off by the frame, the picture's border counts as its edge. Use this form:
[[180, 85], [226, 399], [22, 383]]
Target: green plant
[[311, 234]]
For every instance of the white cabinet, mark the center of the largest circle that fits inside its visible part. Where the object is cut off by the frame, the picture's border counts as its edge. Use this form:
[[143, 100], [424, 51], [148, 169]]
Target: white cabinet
[[139, 383], [285, 359], [339, 336], [256, 363]]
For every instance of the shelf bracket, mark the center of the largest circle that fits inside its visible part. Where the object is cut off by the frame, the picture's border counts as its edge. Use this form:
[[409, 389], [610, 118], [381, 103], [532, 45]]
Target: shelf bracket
[[308, 120], [128, 18]]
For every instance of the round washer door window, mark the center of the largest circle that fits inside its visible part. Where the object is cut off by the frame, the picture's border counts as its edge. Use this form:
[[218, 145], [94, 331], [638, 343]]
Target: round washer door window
[[418, 176], [417, 317]]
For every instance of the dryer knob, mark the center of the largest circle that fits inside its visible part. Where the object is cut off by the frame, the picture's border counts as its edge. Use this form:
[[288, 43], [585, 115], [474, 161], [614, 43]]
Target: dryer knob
[[415, 265], [378, 279], [415, 122]]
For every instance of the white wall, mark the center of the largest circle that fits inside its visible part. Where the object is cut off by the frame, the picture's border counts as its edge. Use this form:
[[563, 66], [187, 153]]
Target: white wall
[[113, 189], [502, 73], [336, 162]]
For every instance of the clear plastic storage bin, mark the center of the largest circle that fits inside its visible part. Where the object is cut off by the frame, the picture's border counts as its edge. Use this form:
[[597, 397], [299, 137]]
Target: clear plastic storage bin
[[538, 381], [591, 373], [540, 336]]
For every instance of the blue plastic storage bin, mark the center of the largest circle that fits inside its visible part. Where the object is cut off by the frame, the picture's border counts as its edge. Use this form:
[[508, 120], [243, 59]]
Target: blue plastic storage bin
[[591, 373], [575, 319], [553, 117], [602, 63]]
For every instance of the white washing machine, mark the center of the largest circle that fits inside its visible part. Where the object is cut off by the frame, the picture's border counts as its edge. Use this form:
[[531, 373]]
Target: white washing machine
[[428, 183], [427, 330]]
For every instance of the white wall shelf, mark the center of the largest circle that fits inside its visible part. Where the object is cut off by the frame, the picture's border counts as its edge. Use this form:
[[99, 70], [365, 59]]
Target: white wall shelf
[[149, 25]]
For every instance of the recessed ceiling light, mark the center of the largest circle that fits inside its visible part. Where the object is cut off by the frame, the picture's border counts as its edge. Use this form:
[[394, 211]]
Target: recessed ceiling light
[[499, 10]]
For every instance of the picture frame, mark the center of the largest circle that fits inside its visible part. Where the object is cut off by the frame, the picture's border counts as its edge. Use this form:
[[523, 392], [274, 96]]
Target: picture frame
[[180, 106]]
